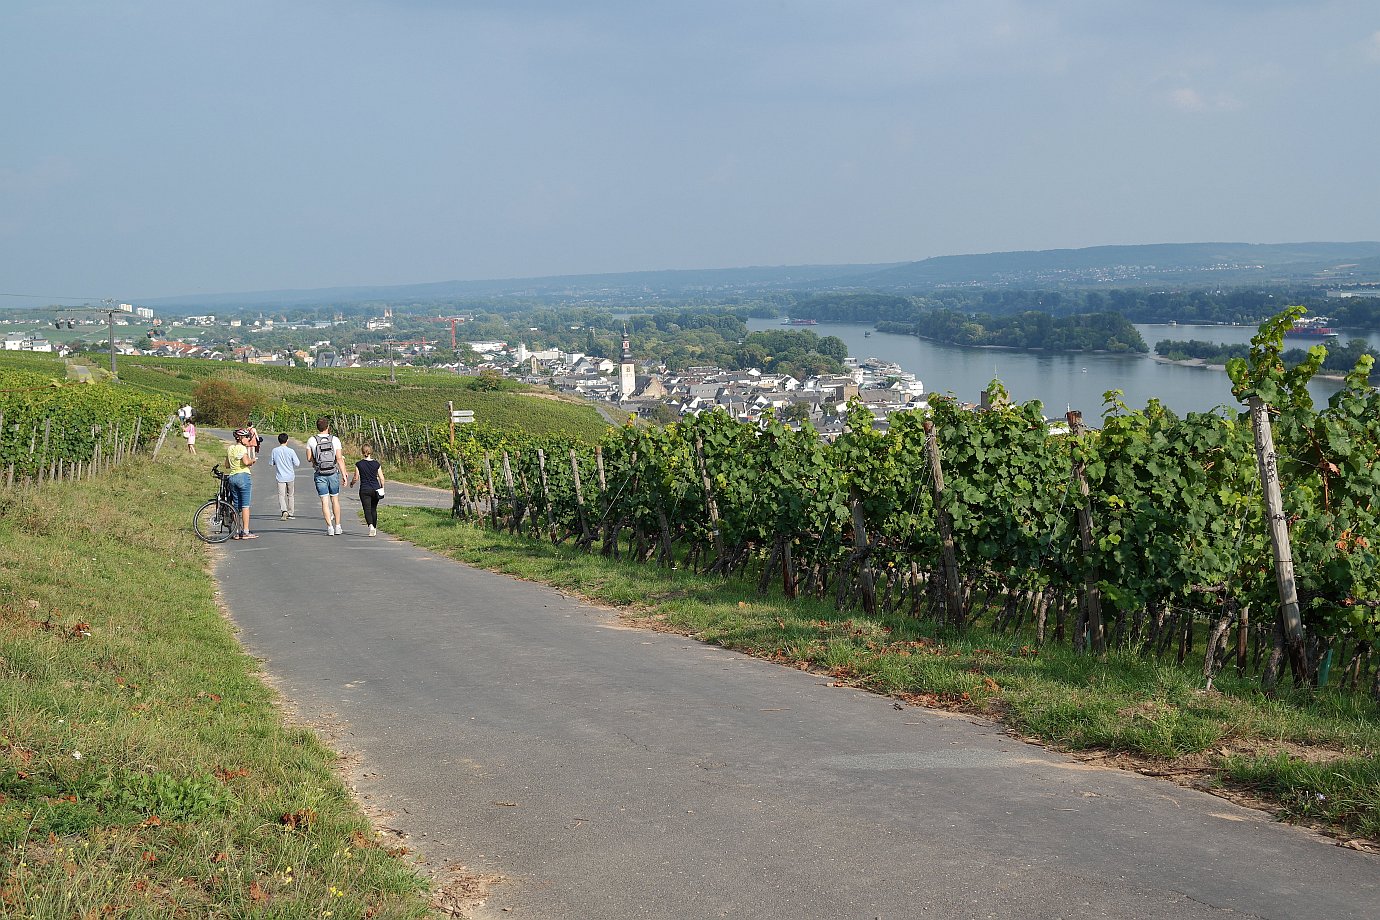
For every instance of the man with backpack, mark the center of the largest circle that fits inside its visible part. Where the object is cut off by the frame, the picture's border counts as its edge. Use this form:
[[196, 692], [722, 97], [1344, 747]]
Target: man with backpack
[[327, 460]]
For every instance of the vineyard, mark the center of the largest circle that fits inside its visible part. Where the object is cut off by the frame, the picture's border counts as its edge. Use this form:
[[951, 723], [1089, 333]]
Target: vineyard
[[415, 402], [55, 428], [1150, 534]]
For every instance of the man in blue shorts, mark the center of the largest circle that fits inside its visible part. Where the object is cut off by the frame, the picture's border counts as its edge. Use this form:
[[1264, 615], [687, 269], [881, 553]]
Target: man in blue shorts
[[327, 460]]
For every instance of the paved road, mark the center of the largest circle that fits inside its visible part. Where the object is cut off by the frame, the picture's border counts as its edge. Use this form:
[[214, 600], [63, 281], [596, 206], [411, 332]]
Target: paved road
[[613, 773]]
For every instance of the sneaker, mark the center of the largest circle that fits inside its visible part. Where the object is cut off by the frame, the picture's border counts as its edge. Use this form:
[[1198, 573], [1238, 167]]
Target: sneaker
[[373, 531], [339, 530], [284, 516], [330, 531]]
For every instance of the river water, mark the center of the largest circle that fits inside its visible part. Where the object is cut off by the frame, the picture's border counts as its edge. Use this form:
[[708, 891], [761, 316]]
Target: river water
[[1062, 381]]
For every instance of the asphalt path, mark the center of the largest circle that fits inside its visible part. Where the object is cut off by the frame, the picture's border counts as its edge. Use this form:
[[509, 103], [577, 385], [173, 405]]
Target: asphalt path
[[610, 772]]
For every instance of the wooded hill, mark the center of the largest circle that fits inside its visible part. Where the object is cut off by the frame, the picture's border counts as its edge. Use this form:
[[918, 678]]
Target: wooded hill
[[1198, 264]]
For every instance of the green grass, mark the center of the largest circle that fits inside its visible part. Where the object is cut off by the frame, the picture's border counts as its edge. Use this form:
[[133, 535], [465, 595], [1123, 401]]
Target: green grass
[[1288, 749], [144, 768]]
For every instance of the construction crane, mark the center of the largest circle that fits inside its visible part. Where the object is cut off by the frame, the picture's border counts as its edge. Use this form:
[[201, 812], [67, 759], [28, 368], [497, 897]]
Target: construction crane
[[452, 320]]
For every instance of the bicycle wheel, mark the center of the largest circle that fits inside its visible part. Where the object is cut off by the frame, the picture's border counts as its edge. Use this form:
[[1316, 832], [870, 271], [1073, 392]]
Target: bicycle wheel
[[215, 522]]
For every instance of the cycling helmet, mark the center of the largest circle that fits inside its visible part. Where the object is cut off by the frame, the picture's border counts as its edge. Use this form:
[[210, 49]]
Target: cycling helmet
[[241, 433]]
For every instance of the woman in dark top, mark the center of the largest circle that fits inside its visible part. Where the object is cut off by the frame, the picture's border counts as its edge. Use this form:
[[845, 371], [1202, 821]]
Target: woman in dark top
[[369, 478]]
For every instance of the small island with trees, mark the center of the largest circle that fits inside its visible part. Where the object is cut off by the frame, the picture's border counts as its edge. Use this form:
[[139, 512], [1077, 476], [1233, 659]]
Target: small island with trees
[[1031, 329], [1340, 358]]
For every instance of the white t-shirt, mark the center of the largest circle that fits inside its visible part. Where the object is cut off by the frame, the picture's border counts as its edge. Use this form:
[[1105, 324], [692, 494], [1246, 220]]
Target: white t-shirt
[[311, 452]]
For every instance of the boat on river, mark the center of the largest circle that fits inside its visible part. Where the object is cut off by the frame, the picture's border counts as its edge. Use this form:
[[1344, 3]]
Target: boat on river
[[1312, 327], [800, 322]]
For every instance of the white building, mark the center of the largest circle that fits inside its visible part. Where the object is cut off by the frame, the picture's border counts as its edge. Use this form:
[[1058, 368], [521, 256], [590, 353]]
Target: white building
[[627, 371]]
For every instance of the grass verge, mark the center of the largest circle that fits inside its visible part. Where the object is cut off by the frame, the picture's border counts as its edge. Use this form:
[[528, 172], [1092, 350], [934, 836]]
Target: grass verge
[[1313, 757], [144, 768]]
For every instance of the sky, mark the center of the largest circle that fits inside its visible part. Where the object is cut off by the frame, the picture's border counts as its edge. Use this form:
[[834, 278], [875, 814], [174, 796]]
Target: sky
[[158, 147]]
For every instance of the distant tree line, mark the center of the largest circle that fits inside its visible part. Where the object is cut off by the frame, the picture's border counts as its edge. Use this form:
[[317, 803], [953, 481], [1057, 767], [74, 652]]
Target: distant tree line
[[1244, 306], [1031, 329], [1340, 358]]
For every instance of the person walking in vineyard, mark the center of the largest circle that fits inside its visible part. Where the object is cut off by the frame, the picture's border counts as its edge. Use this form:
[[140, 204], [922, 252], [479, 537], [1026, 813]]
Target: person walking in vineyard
[[238, 459], [327, 459], [189, 432], [369, 478], [285, 463]]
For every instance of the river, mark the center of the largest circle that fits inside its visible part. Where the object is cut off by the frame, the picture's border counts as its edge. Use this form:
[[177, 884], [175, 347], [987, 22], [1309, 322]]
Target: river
[[1061, 381]]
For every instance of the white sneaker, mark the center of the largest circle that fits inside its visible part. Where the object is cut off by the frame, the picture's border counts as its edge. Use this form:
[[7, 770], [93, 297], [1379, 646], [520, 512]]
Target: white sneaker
[[330, 531], [339, 530], [373, 531]]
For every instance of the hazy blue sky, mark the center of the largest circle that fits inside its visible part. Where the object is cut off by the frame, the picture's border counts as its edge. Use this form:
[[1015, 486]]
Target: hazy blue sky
[[153, 147]]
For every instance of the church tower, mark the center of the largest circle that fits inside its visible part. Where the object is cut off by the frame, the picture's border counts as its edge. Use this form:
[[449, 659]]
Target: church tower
[[627, 371]]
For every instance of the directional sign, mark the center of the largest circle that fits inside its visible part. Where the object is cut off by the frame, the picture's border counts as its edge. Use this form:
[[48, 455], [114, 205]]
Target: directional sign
[[461, 416]]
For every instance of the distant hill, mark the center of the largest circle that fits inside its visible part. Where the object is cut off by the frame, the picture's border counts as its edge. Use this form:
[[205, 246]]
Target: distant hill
[[1112, 266], [627, 286], [1179, 264]]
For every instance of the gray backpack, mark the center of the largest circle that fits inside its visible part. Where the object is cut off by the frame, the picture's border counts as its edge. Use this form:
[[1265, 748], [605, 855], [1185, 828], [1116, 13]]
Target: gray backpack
[[323, 454]]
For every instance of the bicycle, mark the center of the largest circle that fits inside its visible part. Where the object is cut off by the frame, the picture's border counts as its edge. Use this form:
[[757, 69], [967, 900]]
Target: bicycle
[[217, 520]]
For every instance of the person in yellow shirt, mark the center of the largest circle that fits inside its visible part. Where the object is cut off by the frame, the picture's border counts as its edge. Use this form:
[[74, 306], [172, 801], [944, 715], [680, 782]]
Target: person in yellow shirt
[[239, 457]]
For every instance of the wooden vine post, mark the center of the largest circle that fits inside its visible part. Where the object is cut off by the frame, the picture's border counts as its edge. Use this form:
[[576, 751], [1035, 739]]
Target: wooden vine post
[[529, 505], [471, 502], [1268, 464], [861, 550], [515, 519], [162, 435], [493, 496], [454, 488], [1091, 600], [788, 584], [585, 536], [953, 598], [709, 501], [546, 496]]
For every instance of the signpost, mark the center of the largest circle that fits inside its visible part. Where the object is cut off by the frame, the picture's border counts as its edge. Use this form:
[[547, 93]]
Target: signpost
[[458, 417]]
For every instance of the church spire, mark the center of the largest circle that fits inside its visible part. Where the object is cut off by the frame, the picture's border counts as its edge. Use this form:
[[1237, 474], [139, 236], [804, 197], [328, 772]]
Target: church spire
[[627, 371]]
